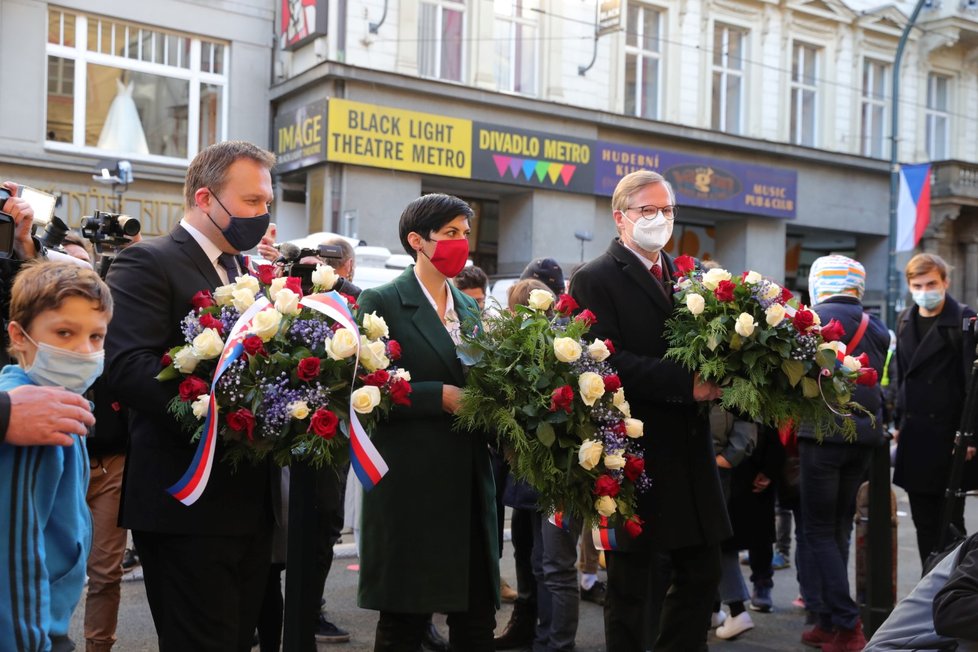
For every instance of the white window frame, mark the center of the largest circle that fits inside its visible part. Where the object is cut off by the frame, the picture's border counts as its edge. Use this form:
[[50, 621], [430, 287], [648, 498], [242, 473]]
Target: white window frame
[[532, 44], [798, 90], [935, 114], [870, 69], [639, 53], [82, 56], [440, 7], [723, 73]]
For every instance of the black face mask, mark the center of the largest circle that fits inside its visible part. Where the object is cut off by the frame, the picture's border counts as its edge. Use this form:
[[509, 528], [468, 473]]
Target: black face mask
[[242, 233]]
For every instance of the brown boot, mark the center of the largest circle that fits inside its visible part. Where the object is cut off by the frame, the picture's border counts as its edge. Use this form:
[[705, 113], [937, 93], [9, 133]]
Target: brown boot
[[520, 629]]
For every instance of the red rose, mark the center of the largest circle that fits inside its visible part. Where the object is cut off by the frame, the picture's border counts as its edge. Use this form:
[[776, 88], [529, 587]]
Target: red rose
[[633, 526], [863, 359], [166, 360], [202, 299], [393, 350], [210, 321], [587, 317], [242, 420], [619, 429], [612, 383], [634, 467], [786, 295], [400, 392], [685, 264], [336, 326], [191, 388], [294, 283], [565, 304], [725, 290], [562, 398], [605, 485], [266, 274], [323, 423], [867, 376], [116, 406], [611, 347], [350, 299], [308, 368], [378, 378], [253, 345], [833, 331], [803, 321]]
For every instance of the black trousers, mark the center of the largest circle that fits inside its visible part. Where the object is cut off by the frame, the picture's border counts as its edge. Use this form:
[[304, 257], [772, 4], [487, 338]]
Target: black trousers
[[667, 596], [926, 510], [204, 592]]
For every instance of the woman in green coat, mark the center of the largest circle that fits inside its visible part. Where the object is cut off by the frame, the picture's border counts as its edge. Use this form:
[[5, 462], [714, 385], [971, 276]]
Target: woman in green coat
[[428, 538]]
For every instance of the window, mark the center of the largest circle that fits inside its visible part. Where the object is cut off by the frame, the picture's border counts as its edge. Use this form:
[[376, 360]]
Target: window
[[643, 51], [516, 45], [132, 90], [804, 94], [938, 117], [440, 26], [728, 77], [874, 108]]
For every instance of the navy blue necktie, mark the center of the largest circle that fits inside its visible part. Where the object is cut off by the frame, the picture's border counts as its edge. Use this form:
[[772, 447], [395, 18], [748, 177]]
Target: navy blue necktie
[[230, 266]]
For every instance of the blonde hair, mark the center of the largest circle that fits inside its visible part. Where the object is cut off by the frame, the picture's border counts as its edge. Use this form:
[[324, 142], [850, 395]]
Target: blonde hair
[[519, 292], [635, 181], [210, 167], [44, 285], [924, 264]]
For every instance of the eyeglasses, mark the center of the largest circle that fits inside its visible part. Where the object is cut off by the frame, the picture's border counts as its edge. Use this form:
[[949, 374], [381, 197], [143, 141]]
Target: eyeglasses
[[650, 211]]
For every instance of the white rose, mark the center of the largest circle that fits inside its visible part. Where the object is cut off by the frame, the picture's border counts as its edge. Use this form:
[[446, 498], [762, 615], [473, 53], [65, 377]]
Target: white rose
[[590, 453], [773, 291], [567, 349], [837, 347], [287, 302], [625, 408], [375, 326], [695, 303], [752, 278], [591, 386], [247, 282], [774, 314], [185, 360], [634, 428], [618, 397], [851, 363], [713, 277], [201, 405], [606, 505], [278, 283], [242, 299], [222, 295], [373, 355], [818, 320], [365, 399], [598, 350], [613, 462], [745, 325], [325, 277], [342, 345], [298, 410], [540, 299], [403, 374], [208, 344], [265, 324]]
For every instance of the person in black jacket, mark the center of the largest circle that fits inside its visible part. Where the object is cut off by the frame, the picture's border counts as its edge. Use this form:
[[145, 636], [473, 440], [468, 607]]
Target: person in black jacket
[[933, 369], [956, 604], [832, 470]]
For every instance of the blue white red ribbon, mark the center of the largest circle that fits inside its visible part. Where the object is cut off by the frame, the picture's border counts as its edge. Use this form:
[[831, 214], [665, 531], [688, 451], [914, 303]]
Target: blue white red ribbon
[[558, 519], [603, 536]]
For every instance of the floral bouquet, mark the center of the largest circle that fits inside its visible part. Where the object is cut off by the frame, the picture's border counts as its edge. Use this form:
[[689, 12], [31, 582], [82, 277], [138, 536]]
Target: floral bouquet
[[559, 410], [775, 361], [272, 372]]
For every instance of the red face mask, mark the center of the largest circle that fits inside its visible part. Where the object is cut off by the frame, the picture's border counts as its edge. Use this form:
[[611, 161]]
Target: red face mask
[[449, 256]]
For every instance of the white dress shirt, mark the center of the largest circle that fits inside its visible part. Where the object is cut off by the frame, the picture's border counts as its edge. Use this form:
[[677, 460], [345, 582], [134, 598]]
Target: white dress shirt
[[211, 250], [450, 316]]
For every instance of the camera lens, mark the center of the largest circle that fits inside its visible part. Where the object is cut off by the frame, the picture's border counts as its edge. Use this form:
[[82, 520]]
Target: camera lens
[[129, 225]]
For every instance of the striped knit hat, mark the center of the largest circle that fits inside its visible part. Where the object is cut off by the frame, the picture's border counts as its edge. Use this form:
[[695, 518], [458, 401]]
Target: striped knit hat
[[836, 275]]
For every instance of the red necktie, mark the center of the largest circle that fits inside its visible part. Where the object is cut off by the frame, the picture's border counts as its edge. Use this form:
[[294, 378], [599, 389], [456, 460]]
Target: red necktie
[[657, 271]]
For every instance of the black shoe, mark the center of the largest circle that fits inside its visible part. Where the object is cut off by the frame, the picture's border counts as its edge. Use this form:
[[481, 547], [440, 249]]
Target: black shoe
[[130, 559], [595, 594], [327, 632], [433, 640]]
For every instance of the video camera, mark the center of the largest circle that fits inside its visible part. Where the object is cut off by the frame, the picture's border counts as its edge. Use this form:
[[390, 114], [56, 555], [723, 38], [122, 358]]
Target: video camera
[[109, 229], [291, 255], [6, 227]]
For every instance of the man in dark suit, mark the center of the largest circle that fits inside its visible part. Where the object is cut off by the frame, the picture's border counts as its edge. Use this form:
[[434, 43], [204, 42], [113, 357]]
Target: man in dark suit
[[205, 564], [629, 289], [933, 366]]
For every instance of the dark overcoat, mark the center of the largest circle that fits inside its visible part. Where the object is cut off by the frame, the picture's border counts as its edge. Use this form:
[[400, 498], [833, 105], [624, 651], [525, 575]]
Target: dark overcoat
[[416, 529]]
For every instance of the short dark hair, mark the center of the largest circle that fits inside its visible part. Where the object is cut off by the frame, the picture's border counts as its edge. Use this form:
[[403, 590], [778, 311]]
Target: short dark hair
[[44, 285], [430, 213], [209, 169], [471, 278]]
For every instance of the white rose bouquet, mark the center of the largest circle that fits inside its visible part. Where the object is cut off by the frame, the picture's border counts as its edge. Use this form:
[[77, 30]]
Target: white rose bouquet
[[558, 408], [287, 390], [774, 359]]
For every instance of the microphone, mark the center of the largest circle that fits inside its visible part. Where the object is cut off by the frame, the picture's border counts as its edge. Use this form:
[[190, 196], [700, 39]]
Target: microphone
[[289, 253]]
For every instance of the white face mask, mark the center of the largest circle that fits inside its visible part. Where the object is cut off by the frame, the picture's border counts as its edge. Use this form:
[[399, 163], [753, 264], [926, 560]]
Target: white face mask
[[651, 235], [54, 367]]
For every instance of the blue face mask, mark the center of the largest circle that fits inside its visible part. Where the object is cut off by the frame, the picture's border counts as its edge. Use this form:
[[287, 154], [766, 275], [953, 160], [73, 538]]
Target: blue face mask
[[928, 299], [243, 233], [54, 367]]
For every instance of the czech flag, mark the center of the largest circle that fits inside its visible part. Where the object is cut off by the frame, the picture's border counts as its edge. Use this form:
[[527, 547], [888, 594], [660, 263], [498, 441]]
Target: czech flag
[[913, 205]]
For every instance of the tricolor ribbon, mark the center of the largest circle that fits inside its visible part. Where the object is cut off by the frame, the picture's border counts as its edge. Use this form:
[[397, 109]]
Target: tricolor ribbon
[[558, 519], [603, 536], [365, 458]]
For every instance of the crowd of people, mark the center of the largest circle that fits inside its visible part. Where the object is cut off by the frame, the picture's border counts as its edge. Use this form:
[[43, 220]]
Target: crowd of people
[[212, 570]]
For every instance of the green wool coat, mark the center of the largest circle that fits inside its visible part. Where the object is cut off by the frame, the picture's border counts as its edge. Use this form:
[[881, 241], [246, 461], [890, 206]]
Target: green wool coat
[[416, 523]]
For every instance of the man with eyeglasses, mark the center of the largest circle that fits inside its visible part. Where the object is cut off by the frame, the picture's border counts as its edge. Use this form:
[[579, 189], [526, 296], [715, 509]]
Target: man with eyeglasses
[[661, 585]]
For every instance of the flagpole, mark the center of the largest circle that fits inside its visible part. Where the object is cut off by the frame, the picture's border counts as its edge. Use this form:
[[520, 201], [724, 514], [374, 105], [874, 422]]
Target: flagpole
[[894, 285]]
